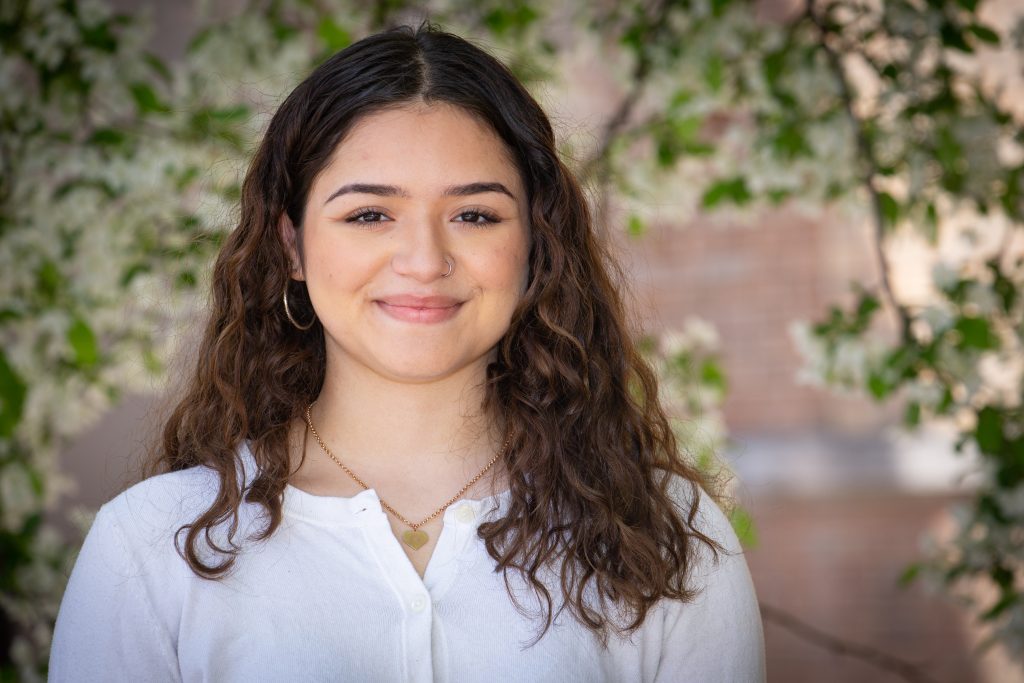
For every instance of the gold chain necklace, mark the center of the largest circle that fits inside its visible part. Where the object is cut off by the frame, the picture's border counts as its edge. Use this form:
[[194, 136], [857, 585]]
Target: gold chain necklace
[[414, 538]]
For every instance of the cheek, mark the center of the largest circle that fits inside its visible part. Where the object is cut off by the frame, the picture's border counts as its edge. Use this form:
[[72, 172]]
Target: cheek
[[507, 269], [339, 267]]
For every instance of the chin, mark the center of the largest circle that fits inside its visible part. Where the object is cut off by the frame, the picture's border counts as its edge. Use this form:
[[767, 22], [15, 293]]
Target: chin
[[421, 367], [417, 371]]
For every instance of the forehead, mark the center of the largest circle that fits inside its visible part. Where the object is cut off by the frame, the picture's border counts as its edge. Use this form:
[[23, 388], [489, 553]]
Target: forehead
[[422, 143]]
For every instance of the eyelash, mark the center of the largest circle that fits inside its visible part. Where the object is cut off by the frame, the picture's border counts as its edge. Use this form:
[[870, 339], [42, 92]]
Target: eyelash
[[488, 217]]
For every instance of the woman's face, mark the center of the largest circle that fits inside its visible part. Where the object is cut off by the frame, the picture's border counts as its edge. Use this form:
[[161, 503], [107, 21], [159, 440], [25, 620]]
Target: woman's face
[[405, 190]]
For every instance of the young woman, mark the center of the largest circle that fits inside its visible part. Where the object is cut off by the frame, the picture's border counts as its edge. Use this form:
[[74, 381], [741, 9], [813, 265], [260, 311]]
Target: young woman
[[419, 443]]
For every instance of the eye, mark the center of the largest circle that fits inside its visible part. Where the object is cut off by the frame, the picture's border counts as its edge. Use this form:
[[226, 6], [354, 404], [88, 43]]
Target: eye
[[478, 217], [367, 215]]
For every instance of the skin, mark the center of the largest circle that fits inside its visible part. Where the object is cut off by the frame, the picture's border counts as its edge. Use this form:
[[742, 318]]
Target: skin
[[401, 400]]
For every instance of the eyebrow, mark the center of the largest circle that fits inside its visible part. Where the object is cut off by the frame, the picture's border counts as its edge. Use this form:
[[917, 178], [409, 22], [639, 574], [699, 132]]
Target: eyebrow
[[395, 191]]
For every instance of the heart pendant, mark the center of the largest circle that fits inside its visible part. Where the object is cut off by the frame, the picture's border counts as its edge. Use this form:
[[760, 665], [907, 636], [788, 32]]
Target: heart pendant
[[415, 539]]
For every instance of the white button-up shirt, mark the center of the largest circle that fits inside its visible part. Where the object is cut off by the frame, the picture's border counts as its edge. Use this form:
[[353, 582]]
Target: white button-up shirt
[[331, 596]]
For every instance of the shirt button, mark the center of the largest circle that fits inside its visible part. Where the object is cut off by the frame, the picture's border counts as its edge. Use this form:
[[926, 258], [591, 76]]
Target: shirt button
[[418, 604], [465, 514]]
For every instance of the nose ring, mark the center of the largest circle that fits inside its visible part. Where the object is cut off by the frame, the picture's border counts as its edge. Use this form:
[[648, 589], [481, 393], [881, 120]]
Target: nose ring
[[451, 266]]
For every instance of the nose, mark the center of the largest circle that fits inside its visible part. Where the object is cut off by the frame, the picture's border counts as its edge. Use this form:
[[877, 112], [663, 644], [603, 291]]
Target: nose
[[420, 251]]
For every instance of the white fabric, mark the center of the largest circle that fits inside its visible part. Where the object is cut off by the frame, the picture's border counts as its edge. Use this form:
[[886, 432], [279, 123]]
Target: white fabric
[[331, 596]]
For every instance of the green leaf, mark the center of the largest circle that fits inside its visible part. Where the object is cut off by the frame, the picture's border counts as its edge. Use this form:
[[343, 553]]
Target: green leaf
[[866, 307], [1006, 601], [931, 218], [132, 271], [731, 190], [953, 37], [743, 524], [510, 18], [1004, 287], [189, 174], [909, 575], [635, 227], [912, 414], [158, 66], [948, 150], [83, 343], [666, 153], [152, 362], [99, 37], [49, 280], [711, 374], [990, 509], [186, 279], [1002, 577], [984, 34], [773, 65], [790, 141], [229, 114], [714, 72], [989, 430], [976, 333], [890, 208], [633, 37], [334, 36], [199, 40], [718, 7], [879, 385], [680, 98], [945, 403], [1010, 471], [107, 137], [282, 30], [12, 397], [146, 99]]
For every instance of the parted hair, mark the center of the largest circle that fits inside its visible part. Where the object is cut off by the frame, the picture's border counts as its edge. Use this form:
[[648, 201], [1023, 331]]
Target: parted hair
[[594, 516]]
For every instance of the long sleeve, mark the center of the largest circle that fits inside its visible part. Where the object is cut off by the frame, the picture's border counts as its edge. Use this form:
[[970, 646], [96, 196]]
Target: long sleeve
[[718, 637], [107, 629]]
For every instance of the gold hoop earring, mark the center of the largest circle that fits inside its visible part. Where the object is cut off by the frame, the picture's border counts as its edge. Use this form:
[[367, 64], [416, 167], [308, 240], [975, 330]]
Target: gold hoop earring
[[451, 266], [288, 313]]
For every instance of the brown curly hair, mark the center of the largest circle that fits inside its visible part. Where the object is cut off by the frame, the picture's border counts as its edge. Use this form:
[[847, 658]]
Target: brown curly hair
[[592, 455]]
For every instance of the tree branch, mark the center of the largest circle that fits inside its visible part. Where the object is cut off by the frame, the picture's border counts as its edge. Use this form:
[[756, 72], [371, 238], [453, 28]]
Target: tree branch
[[901, 667], [869, 162], [597, 165]]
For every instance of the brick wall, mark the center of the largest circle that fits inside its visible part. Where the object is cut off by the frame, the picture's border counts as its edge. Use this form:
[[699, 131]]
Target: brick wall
[[751, 281], [833, 562]]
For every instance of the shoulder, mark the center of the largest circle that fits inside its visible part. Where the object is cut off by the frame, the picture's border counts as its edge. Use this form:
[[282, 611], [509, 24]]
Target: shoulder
[[122, 606], [166, 495], [148, 515], [724, 615], [708, 517]]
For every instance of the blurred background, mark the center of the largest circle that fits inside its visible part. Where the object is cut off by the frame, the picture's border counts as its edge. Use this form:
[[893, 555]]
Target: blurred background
[[818, 209]]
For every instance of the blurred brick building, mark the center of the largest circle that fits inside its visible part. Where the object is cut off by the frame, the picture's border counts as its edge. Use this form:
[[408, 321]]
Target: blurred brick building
[[840, 498]]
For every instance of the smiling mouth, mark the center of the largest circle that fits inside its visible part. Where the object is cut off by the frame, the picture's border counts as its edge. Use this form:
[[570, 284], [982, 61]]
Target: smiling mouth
[[419, 314]]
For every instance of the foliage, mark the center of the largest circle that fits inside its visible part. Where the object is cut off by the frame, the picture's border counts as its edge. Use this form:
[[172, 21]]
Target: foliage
[[720, 106], [939, 151], [110, 209], [693, 386]]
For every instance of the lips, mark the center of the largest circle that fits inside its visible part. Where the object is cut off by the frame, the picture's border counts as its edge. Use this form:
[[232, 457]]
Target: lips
[[410, 301], [418, 309]]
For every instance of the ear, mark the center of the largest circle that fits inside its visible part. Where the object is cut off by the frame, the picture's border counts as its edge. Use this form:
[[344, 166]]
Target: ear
[[288, 238]]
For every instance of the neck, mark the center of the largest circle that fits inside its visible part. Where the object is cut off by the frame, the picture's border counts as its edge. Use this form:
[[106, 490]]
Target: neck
[[386, 429]]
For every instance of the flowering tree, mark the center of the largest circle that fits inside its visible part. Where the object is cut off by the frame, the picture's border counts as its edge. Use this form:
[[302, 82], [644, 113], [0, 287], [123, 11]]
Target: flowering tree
[[121, 174], [112, 201]]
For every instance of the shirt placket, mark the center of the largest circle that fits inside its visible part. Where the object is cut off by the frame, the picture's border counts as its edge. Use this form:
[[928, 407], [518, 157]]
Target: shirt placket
[[417, 595], [408, 589]]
